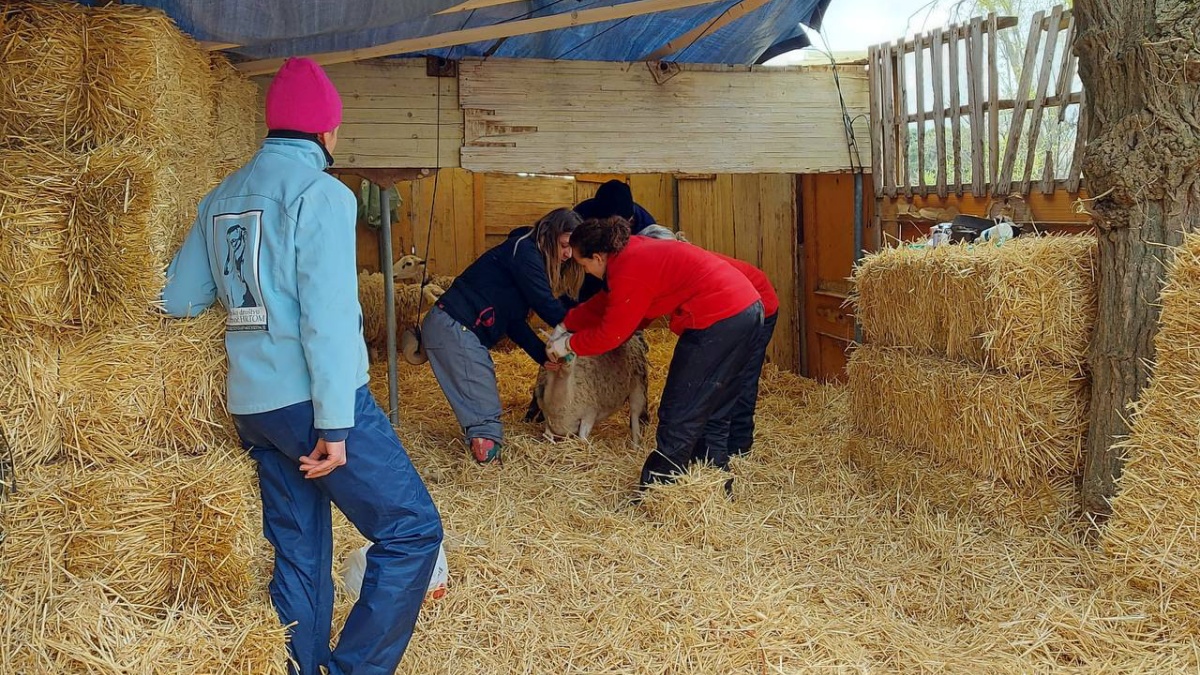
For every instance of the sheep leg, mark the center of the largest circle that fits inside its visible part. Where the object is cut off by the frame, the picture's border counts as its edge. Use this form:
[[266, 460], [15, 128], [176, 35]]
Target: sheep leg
[[585, 425], [638, 413]]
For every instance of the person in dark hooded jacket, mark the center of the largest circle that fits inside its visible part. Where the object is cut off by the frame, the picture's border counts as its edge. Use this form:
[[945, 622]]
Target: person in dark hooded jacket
[[491, 299], [614, 198]]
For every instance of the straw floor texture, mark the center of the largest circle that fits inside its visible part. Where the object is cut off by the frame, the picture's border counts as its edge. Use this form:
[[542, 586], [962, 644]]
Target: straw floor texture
[[1021, 429], [1153, 534], [837, 555], [1016, 307]]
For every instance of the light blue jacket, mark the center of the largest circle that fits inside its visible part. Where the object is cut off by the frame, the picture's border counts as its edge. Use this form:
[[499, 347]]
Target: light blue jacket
[[274, 242]]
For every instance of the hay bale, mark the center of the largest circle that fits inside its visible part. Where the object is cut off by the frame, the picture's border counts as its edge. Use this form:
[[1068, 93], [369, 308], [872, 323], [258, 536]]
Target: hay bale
[[36, 209], [29, 417], [1152, 537], [83, 628], [116, 251], [41, 75], [1025, 430], [235, 112], [156, 534], [1014, 307], [192, 361], [147, 391], [151, 90]]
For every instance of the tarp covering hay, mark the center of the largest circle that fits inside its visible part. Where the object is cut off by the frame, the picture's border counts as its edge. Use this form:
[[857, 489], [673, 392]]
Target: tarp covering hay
[[1153, 536], [1015, 307], [1022, 429]]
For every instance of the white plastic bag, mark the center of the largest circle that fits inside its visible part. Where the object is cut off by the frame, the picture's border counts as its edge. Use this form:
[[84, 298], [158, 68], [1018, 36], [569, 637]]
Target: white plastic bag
[[356, 568]]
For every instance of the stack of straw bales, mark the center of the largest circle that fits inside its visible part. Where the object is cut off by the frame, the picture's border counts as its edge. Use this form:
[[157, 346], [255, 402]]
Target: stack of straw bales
[[1152, 537], [977, 355], [130, 538]]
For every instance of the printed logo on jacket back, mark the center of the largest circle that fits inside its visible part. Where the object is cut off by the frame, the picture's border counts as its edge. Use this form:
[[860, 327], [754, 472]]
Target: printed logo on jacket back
[[237, 244]]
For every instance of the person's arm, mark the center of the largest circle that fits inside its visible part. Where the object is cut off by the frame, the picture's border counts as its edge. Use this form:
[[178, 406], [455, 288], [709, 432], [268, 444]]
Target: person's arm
[[628, 302], [526, 339], [530, 273], [588, 314], [329, 329], [190, 288]]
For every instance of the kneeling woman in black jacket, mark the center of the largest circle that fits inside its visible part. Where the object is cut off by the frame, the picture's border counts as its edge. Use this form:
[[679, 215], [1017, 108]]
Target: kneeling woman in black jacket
[[489, 300]]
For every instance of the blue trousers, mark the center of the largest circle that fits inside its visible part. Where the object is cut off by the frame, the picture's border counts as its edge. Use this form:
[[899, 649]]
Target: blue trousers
[[380, 492], [733, 432]]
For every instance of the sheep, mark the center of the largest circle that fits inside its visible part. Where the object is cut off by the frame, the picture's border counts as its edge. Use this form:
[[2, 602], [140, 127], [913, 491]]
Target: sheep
[[592, 388], [407, 297], [410, 268]]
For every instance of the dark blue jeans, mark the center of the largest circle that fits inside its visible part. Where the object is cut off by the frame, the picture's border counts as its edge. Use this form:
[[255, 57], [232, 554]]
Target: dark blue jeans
[[380, 492]]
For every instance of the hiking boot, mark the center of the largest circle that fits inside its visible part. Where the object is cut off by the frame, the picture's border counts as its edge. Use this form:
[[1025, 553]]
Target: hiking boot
[[485, 450]]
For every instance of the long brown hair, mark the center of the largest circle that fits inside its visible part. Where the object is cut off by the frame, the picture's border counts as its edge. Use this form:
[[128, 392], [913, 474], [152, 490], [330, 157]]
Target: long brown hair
[[563, 277]]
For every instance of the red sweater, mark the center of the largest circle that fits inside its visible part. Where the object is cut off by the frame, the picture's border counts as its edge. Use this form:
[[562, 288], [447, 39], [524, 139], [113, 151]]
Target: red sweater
[[651, 278], [761, 283]]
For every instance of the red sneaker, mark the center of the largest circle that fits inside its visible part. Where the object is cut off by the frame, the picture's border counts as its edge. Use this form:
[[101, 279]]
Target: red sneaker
[[485, 450]]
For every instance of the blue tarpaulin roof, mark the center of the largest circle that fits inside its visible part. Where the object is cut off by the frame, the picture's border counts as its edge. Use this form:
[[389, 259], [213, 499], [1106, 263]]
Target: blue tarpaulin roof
[[279, 28]]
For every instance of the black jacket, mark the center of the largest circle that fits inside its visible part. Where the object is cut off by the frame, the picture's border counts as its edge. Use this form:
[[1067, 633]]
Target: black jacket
[[493, 296]]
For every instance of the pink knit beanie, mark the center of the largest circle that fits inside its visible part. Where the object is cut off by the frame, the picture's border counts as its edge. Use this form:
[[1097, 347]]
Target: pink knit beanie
[[301, 98]]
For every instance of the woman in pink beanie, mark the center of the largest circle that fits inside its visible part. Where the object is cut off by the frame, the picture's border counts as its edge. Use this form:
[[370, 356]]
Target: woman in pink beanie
[[274, 243]]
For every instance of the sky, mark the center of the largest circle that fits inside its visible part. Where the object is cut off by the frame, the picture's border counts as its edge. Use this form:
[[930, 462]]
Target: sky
[[854, 25]]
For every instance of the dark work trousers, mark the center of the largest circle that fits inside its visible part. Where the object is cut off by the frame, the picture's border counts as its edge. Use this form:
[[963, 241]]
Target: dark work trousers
[[732, 433], [705, 368], [380, 492]]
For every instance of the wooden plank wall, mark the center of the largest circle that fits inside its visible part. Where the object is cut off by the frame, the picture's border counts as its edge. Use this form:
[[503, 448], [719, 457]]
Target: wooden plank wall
[[828, 231], [751, 217], [390, 113], [570, 117]]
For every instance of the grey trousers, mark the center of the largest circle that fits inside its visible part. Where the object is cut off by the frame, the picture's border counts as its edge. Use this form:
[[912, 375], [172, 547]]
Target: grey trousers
[[466, 374]]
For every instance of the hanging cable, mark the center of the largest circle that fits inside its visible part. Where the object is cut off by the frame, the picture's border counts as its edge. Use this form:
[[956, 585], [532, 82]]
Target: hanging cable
[[437, 161]]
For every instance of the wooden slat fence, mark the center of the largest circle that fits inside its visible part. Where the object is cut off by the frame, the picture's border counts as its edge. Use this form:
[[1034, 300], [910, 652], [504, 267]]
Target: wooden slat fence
[[949, 114]]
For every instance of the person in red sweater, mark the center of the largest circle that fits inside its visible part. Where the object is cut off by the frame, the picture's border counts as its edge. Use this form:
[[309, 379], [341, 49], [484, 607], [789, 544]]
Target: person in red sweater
[[733, 434], [714, 310]]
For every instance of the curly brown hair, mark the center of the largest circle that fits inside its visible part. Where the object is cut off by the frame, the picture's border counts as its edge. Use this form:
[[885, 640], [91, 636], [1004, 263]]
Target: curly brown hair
[[600, 235]]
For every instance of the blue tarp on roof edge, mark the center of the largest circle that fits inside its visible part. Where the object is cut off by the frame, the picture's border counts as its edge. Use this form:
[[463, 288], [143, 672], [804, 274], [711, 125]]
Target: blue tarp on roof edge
[[278, 28]]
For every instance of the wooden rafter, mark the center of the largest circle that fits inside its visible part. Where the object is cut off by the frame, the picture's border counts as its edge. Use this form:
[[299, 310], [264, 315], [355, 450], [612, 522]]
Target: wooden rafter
[[483, 33], [687, 39]]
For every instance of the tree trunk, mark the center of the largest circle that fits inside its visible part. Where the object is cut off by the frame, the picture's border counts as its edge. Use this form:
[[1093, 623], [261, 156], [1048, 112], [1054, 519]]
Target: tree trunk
[[1140, 65]]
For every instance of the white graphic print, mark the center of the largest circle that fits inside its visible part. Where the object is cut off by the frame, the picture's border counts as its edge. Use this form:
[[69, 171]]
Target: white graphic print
[[237, 243]]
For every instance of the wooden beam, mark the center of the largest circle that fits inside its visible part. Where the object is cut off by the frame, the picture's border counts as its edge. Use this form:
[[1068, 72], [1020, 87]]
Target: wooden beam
[[687, 39], [960, 31], [474, 4], [1016, 126], [483, 33], [210, 46]]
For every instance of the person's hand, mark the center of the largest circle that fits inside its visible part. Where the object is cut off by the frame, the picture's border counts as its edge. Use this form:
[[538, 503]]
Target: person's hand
[[559, 348], [558, 332], [553, 365], [324, 459]]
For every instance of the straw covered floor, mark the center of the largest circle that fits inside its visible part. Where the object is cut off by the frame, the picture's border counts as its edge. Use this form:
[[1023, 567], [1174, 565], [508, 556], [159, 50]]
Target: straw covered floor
[[1016, 307], [837, 555]]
